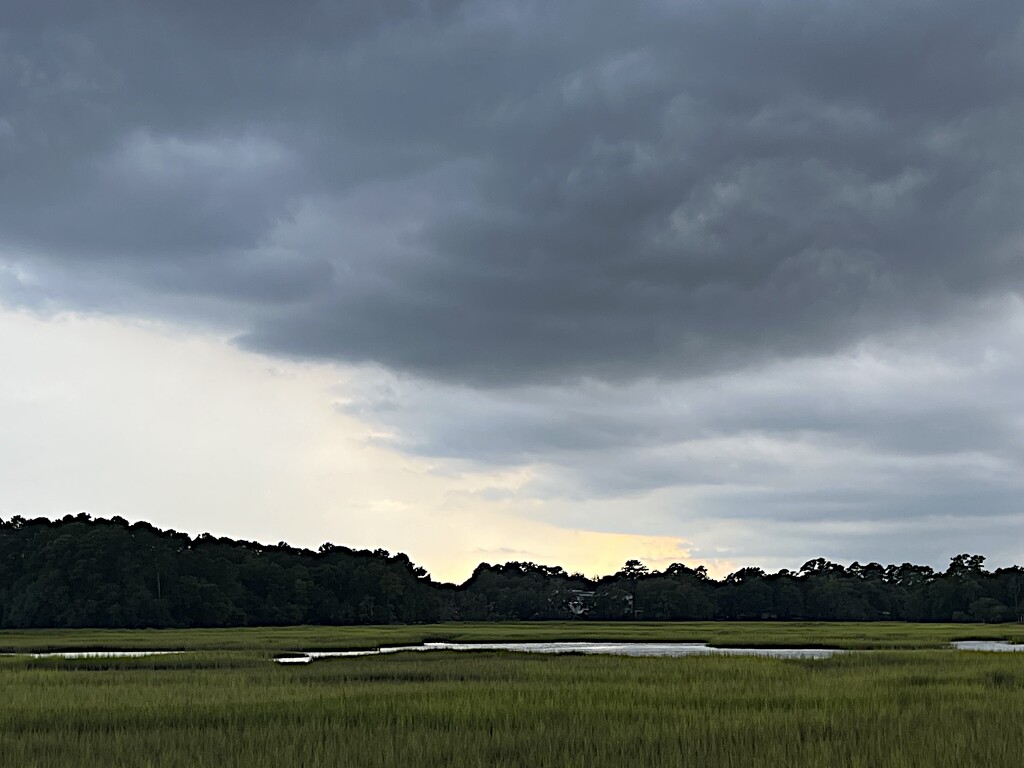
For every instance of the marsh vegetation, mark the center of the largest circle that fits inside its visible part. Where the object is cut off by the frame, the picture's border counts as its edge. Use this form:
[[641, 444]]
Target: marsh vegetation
[[738, 634], [232, 708], [222, 702]]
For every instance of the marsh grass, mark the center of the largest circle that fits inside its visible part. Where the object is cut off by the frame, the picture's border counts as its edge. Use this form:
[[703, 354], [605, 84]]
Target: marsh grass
[[920, 708], [223, 703], [277, 640]]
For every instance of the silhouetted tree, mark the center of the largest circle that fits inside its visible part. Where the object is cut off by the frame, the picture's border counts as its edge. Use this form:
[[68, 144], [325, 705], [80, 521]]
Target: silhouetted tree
[[81, 572]]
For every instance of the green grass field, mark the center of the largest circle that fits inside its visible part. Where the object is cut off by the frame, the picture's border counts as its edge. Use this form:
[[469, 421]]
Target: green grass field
[[234, 707], [851, 635]]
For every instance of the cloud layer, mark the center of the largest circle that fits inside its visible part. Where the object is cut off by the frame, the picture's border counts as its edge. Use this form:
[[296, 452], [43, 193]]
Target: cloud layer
[[757, 248], [494, 192]]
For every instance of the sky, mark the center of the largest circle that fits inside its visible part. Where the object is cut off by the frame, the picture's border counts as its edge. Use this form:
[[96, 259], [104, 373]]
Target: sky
[[725, 283]]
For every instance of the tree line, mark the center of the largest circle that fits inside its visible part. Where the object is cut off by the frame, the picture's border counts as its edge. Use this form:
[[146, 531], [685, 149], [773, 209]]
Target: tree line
[[81, 572]]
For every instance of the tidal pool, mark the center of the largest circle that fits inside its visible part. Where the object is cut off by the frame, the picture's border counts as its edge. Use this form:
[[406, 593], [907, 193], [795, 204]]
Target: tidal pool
[[99, 654], [987, 645], [610, 648], [614, 649]]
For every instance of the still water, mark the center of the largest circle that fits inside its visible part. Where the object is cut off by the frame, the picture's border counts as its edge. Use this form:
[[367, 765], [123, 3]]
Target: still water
[[99, 654], [986, 645], [615, 649]]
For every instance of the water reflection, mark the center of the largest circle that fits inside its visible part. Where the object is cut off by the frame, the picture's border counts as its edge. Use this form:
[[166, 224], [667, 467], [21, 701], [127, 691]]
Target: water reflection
[[615, 649], [99, 654], [986, 645]]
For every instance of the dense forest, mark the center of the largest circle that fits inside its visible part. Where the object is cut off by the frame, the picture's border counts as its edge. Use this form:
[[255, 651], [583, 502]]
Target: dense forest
[[80, 572]]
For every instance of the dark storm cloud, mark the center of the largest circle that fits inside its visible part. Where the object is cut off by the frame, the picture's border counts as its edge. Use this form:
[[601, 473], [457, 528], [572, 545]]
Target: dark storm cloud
[[740, 185], [746, 273], [658, 189], [928, 394], [908, 447]]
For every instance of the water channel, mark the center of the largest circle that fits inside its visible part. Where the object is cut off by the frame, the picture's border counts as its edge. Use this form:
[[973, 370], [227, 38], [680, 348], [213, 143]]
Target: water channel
[[614, 649], [674, 650], [627, 649], [100, 654]]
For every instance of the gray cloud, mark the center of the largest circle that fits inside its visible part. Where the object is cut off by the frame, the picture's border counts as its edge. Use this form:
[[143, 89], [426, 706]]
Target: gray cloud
[[662, 190], [641, 247], [949, 389], [908, 446]]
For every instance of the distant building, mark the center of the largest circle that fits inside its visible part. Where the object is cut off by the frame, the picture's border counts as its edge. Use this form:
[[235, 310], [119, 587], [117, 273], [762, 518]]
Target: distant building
[[580, 602]]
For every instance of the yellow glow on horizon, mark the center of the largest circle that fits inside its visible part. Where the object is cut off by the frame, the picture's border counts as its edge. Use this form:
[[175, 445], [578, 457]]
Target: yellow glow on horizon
[[144, 421], [592, 553]]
